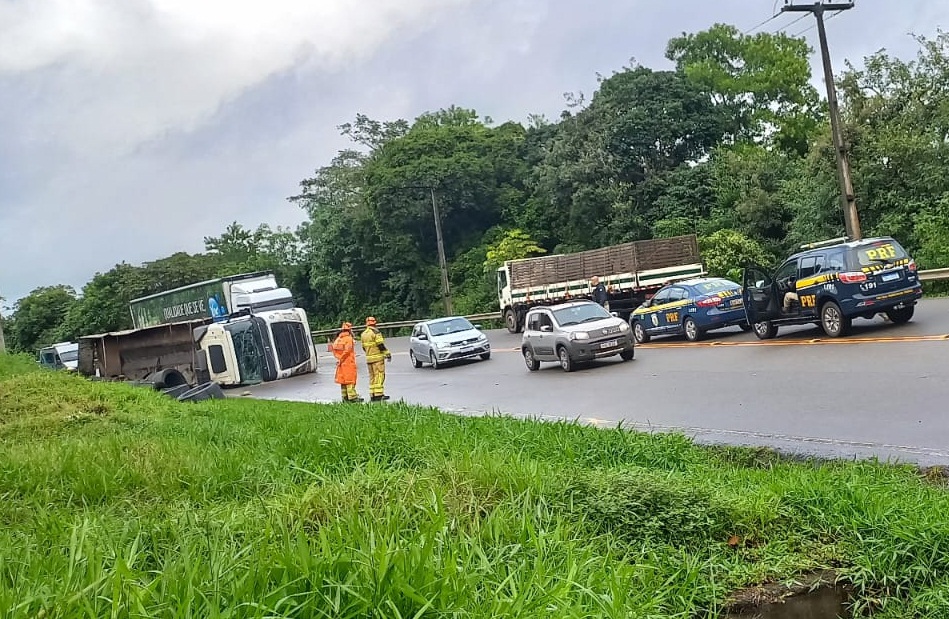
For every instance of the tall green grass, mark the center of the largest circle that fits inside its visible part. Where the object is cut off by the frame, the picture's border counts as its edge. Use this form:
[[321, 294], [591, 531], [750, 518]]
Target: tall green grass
[[117, 502]]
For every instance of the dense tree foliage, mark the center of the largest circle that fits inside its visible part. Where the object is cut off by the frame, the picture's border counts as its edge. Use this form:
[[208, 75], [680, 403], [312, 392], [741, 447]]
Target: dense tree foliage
[[733, 145]]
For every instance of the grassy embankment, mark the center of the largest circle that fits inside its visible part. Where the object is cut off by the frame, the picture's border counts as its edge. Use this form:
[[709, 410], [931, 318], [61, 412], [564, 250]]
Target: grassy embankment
[[117, 502]]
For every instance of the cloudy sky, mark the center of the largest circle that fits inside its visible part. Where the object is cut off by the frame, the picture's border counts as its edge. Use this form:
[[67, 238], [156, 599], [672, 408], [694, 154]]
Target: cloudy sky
[[130, 129]]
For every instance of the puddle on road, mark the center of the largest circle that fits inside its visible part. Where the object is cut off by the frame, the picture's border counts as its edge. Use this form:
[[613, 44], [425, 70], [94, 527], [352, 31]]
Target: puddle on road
[[823, 603]]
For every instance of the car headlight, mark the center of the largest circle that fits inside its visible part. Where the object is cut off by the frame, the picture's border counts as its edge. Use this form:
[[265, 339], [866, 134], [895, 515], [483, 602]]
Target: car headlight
[[579, 335], [624, 326], [482, 338]]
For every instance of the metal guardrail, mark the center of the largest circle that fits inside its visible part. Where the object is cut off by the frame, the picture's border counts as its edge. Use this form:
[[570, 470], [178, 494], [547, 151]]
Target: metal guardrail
[[932, 275], [404, 324], [929, 275]]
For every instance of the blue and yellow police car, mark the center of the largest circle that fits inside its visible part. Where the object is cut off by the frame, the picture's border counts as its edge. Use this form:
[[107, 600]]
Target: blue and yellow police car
[[690, 307], [832, 282]]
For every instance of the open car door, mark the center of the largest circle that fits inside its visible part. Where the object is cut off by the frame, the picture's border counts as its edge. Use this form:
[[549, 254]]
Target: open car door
[[758, 296]]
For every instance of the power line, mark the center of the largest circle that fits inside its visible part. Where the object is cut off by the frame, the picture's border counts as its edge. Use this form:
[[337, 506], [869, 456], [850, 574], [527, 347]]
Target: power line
[[811, 27], [761, 24], [789, 24]]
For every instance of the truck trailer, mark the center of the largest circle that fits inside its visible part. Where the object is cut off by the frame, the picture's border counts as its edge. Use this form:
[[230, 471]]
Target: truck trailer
[[631, 272], [214, 298]]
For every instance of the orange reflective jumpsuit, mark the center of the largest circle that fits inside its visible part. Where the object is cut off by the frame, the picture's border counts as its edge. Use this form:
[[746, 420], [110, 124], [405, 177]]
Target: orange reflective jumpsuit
[[345, 353]]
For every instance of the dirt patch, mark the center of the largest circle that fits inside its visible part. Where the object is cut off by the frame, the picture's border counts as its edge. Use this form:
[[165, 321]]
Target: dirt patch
[[811, 596]]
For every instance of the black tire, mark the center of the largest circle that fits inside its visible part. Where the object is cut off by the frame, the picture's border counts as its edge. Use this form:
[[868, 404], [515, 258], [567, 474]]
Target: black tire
[[566, 363], [639, 332], [167, 378], [745, 327], [627, 355], [511, 321], [530, 360], [433, 359], [691, 329], [176, 391], [901, 316], [765, 330], [207, 391], [485, 356], [833, 321], [414, 359]]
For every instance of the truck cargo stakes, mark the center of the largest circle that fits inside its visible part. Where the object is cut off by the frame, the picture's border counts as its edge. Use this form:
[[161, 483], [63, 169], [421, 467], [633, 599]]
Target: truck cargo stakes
[[238, 330]]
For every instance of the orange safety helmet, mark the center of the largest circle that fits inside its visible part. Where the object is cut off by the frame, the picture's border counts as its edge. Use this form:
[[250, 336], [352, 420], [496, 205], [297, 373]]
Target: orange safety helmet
[[371, 321], [347, 326]]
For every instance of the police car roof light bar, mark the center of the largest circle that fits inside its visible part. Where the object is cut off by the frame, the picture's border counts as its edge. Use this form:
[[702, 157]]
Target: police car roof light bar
[[836, 241]]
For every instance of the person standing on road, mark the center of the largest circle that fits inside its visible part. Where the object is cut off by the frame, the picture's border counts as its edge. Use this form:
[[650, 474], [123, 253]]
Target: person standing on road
[[374, 345], [600, 295], [344, 350]]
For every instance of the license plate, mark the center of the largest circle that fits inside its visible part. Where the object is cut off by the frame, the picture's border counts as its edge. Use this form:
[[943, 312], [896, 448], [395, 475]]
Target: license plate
[[609, 344], [889, 277]]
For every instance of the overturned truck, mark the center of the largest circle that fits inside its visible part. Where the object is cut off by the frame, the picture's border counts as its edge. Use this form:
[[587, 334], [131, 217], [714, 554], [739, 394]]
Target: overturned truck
[[244, 349]]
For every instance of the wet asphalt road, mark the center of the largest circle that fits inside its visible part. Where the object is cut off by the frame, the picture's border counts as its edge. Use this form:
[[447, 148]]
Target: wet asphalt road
[[883, 391]]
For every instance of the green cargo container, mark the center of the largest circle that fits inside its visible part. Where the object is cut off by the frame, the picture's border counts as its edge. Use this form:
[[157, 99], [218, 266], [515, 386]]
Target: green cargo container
[[203, 300]]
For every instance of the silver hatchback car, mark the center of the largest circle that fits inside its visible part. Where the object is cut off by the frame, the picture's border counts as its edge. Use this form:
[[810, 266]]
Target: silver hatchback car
[[444, 340], [574, 332]]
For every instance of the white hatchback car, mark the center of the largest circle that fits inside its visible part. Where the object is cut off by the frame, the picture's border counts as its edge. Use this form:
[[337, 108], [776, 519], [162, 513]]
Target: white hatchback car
[[443, 340]]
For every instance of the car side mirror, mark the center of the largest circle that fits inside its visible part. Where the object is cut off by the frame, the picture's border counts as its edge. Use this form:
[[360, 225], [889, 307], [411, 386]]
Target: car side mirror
[[478, 327], [614, 314], [422, 336], [546, 328], [647, 302]]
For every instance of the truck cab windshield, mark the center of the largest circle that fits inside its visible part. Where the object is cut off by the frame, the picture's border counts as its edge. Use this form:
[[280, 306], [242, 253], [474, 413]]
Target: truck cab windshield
[[249, 350]]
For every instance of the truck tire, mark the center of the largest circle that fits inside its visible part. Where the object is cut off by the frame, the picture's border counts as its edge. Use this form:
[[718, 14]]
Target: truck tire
[[207, 391], [167, 378], [174, 392], [511, 321]]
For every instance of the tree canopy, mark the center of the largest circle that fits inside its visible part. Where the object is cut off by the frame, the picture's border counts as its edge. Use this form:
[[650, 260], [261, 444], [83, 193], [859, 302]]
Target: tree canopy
[[733, 144]]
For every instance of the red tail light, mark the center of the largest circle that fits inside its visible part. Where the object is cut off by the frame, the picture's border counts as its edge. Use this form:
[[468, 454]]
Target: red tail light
[[709, 302], [853, 277], [911, 266]]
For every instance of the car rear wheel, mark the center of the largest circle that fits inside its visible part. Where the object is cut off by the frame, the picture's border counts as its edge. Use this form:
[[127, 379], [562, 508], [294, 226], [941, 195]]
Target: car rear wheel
[[530, 360], [692, 331], [833, 321], [414, 359], [902, 315], [765, 330], [639, 332], [566, 363]]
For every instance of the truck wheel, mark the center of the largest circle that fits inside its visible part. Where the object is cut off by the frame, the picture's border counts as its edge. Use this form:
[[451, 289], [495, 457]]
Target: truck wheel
[[511, 321], [692, 331], [566, 363], [833, 321], [639, 332], [901, 316], [167, 378], [176, 391]]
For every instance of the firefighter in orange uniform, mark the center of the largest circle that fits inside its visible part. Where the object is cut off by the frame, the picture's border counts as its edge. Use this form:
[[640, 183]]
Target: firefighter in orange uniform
[[344, 350], [377, 354]]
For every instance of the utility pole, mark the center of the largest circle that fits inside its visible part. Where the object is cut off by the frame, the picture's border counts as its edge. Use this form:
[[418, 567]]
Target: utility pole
[[847, 199], [3, 345], [446, 290]]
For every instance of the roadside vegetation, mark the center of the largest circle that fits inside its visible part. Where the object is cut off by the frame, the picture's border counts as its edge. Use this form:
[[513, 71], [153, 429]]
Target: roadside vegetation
[[119, 502]]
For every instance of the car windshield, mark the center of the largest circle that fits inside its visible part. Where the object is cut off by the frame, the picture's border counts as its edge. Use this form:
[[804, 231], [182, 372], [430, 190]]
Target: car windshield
[[880, 252], [578, 314], [447, 327], [714, 285], [69, 355]]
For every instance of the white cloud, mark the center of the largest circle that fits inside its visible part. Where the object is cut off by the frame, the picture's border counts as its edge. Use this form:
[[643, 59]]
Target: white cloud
[[135, 69]]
